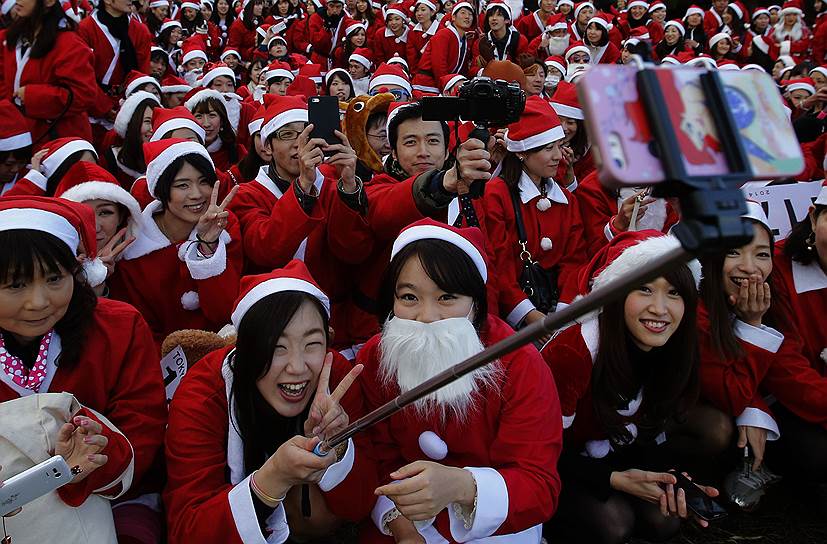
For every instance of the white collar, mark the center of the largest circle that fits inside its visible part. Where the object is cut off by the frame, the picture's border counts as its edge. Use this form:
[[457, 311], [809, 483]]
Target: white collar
[[528, 190], [403, 38], [808, 277], [215, 145]]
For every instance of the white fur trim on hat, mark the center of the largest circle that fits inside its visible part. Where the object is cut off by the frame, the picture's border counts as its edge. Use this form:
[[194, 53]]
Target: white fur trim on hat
[[276, 285], [157, 166], [175, 123], [128, 110], [296, 115], [389, 79], [137, 82], [463, 4], [361, 59], [800, 86], [555, 64], [43, 221], [210, 76], [427, 3], [169, 24], [53, 161], [433, 232], [228, 52], [760, 11], [396, 59], [394, 11], [201, 96], [791, 9], [188, 4], [753, 67], [579, 8], [599, 21], [820, 69], [638, 255], [502, 5], [670, 60], [656, 6], [568, 111], [756, 212], [16, 142], [713, 41], [454, 80], [279, 72], [577, 49], [104, 190], [680, 28], [702, 61], [194, 54], [546, 137], [637, 3], [159, 4]]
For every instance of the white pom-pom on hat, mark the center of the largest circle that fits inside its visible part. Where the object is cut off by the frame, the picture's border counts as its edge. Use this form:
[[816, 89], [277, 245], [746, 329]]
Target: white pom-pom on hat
[[190, 300], [433, 446], [95, 272]]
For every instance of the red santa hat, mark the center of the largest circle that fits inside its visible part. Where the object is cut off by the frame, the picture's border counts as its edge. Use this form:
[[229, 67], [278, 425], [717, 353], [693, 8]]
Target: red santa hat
[[432, 5], [565, 101], [312, 71], [388, 74], [230, 51], [193, 4], [193, 48], [799, 84], [671, 60], [340, 71], [677, 24], [166, 120], [464, 4], [199, 94], [821, 199], [576, 47], [214, 70], [569, 3], [173, 84], [396, 9], [135, 79], [639, 33], [14, 131], [578, 7], [303, 87], [448, 81], [278, 69], [351, 27], [169, 23], [70, 9], [726, 64], [258, 120], [159, 4], [774, 7], [274, 39], [713, 41], [694, 10], [363, 56], [70, 222], [499, 4], [759, 11], [702, 60], [637, 4], [469, 240], [656, 6], [161, 154], [537, 126], [792, 6], [557, 22], [283, 110], [86, 181], [60, 150], [600, 21], [128, 108], [738, 8], [293, 277], [394, 108], [556, 62]]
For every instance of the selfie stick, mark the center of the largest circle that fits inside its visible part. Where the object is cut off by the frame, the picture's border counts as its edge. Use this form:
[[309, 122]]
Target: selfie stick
[[711, 210]]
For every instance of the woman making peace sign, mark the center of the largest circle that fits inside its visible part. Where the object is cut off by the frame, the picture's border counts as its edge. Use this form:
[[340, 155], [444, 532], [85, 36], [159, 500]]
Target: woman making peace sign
[[244, 423], [182, 271]]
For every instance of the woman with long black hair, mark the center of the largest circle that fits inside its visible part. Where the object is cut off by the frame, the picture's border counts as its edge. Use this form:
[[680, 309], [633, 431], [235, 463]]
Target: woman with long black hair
[[673, 41], [247, 417], [242, 34], [193, 22], [124, 157]]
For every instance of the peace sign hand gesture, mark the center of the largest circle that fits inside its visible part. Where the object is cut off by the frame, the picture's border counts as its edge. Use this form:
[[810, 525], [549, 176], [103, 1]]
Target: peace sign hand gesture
[[326, 416], [109, 253], [213, 221]]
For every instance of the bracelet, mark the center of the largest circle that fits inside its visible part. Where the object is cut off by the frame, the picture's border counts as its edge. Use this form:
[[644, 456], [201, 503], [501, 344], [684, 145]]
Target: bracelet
[[202, 241], [340, 185], [389, 516], [262, 495]]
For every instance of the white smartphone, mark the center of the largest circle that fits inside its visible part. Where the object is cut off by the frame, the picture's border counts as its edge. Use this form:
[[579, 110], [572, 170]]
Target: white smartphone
[[32, 483]]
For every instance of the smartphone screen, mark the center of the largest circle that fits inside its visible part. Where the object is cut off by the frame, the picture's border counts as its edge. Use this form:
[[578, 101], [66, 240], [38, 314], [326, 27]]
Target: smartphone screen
[[701, 504], [323, 114]]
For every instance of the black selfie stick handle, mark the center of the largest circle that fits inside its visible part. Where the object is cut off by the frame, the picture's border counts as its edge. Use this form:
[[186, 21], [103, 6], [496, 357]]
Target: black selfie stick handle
[[466, 203]]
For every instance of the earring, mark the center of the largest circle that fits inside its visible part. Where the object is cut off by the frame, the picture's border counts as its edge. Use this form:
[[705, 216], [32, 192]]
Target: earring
[[521, 157], [811, 241]]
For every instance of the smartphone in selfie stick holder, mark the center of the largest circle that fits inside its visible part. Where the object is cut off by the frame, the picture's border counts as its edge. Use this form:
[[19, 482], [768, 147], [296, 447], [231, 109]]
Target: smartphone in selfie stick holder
[[711, 209]]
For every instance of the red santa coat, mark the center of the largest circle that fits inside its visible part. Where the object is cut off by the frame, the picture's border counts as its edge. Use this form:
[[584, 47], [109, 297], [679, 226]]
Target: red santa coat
[[417, 40], [172, 286], [555, 238], [386, 44], [512, 448], [59, 88], [442, 57], [599, 206], [242, 39], [797, 49], [804, 287], [608, 54], [117, 376], [772, 364], [324, 40], [509, 53], [532, 26], [208, 496], [107, 64], [298, 36], [819, 41], [712, 22]]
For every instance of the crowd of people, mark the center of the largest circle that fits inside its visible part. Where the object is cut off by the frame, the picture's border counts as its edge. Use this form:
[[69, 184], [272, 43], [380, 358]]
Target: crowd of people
[[160, 180]]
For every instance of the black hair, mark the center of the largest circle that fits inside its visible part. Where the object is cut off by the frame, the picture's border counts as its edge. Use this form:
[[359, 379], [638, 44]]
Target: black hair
[[153, 22], [486, 27], [258, 335], [251, 21], [225, 131], [28, 253], [449, 267], [191, 26], [20, 154], [349, 47], [737, 25], [663, 49], [164, 38], [670, 388], [604, 35], [164, 185], [406, 113], [215, 17], [57, 176], [47, 22], [131, 154], [512, 168], [370, 15], [252, 162], [341, 77], [797, 245]]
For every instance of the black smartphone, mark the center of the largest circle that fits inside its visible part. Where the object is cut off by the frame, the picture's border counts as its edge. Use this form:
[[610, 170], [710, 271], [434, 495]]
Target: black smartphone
[[698, 502], [323, 114]]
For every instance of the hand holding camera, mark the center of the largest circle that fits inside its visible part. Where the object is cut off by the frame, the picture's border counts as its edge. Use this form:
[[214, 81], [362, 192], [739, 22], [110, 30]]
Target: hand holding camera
[[472, 163]]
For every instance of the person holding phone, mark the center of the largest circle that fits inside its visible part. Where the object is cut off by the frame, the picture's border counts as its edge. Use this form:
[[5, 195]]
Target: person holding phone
[[231, 482], [625, 377]]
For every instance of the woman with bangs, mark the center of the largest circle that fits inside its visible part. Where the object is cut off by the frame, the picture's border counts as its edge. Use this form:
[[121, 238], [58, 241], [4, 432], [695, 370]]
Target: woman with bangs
[[211, 113], [601, 50]]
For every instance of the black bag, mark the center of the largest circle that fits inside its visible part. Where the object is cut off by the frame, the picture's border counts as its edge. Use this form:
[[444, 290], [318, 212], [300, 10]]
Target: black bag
[[539, 284]]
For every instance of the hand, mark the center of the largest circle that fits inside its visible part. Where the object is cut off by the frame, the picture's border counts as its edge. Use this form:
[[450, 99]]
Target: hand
[[537, 315], [756, 437], [212, 222], [80, 443], [405, 532], [343, 157], [623, 218], [753, 300], [37, 159], [673, 503], [294, 463], [310, 157], [13, 512], [21, 94], [428, 488], [568, 156], [471, 164], [326, 416], [642, 483], [498, 149], [109, 253]]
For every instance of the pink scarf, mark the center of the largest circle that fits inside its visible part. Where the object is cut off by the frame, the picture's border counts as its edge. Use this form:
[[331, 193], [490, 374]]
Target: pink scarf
[[22, 376]]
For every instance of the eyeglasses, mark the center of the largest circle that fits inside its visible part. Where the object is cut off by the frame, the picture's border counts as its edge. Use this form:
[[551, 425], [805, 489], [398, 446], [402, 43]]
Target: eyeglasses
[[381, 135], [287, 135], [400, 95]]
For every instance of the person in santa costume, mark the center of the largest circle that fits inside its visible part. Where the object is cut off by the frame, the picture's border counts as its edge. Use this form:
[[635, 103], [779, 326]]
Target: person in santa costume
[[392, 40], [124, 156], [221, 78], [713, 18], [209, 107], [242, 36], [477, 458], [247, 168], [601, 50], [627, 376], [801, 273], [549, 216], [500, 40], [45, 71], [177, 122], [182, 272], [119, 45], [247, 417], [450, 51], [577, 161], [57, 336], [534, 24], [695, 35], [426, 26], [791, 33], [193, 23], [15, 145], [325, 32], [753, 365], [50, 164]]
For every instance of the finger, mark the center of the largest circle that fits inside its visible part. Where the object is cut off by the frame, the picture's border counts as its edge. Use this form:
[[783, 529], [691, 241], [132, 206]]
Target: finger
[[97, 459], [408, 471], [767, 295], [742, 437], [664, 507], [405, 487], [89, 426], [96, 440], [343, 137], [709, 490], [346, 382], [64, 434], [324, 376], [214, 194], [122, 246], [113, 241], [759, 458], [660, 477], [753, 295], [671, 501], [229, 197], [681, 500], [304, 136], [334, 412], [743, 292]]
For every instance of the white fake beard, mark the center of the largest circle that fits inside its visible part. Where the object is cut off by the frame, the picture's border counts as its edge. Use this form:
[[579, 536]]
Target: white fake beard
[[557, 46], [412, 352], [655, 216], [794, 35], [232, 102], [193, 76]]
